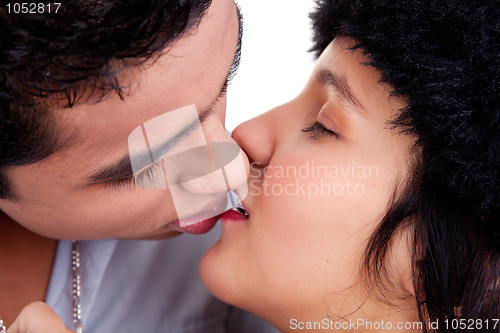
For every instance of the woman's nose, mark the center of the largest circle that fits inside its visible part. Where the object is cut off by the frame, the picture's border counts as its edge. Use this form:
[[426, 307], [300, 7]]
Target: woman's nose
[[257, 138]]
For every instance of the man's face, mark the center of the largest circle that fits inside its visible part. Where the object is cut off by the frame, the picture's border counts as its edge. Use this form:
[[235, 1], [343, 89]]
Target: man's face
[[80, 193]]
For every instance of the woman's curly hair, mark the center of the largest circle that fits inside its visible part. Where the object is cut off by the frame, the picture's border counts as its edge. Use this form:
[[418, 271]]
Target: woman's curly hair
[[76, 53], [442, 56]]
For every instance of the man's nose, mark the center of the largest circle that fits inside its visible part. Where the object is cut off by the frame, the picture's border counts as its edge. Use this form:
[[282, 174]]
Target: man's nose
[[218, 166], [200, 156]]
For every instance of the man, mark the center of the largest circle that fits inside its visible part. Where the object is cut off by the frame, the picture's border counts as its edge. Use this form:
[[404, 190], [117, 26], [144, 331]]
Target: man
[[75, 83]]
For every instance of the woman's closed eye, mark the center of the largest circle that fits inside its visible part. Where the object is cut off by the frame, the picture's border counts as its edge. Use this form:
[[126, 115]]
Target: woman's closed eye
[[317, 131]]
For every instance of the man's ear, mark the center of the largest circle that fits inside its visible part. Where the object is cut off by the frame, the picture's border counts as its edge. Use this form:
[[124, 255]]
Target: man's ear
[[6, 192]]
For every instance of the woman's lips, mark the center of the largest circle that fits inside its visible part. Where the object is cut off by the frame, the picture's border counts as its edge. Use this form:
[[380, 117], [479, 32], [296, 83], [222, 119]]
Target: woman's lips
[[234, 215]]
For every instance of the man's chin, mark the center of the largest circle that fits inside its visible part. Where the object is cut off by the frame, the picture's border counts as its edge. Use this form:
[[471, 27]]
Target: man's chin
[[175, 229], [166, 235]]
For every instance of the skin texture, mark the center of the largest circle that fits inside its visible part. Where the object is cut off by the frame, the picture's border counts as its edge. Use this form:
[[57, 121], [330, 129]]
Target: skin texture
[[299, 254], [38, 317], [55, 200]]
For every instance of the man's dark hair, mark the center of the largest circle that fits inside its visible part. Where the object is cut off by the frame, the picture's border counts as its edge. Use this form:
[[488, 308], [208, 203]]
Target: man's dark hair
[[60, 58], [443, 58]]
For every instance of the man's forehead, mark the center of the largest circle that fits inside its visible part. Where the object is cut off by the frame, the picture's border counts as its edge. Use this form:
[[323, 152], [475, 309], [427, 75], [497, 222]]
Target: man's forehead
[[179, 77]]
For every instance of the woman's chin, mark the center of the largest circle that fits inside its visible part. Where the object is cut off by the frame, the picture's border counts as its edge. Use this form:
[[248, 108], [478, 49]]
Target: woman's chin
[[224, 278], [215, 276]]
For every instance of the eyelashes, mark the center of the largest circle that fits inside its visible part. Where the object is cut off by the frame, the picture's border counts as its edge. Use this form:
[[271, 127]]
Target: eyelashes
[[317, 131], [148, 174]]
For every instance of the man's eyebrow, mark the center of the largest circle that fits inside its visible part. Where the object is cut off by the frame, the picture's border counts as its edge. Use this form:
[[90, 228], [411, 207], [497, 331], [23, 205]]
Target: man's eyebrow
[[118, 171], [237, 54], [339, 83], [122, 169]]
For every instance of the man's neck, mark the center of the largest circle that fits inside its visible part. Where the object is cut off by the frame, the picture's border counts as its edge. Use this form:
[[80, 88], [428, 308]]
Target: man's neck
[[26, 262]]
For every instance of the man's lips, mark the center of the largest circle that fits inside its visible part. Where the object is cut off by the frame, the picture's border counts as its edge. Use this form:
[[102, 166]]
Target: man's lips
[[195, 228], [238, 213], [232, 215], [203, 221]]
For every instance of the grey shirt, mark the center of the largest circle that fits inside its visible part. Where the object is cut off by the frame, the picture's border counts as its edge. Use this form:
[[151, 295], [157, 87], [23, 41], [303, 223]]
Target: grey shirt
[[145, 287]]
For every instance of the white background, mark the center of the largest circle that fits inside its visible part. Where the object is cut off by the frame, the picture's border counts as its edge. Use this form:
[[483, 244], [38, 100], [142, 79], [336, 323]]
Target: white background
[[275, 63]]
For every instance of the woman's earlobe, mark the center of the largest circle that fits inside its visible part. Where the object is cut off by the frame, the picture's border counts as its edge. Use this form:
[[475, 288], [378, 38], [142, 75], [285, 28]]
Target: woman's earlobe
[[408, 286]]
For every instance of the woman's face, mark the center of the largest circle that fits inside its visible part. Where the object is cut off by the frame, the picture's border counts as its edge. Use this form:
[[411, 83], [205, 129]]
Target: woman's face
[[325, 167]]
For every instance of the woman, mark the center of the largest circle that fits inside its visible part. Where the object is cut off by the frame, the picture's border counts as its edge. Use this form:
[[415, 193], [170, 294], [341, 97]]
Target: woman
[[375, 194]]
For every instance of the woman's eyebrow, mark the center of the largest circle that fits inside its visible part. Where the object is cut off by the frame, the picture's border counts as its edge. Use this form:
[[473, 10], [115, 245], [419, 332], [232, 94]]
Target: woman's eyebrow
[[339, 83]]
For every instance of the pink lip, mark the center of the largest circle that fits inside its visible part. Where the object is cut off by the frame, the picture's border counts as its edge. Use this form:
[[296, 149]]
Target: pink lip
[[232, 216], [196, 228], [208, 224], [194, 225]]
